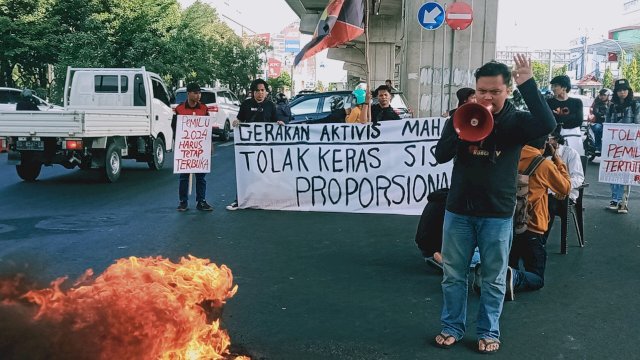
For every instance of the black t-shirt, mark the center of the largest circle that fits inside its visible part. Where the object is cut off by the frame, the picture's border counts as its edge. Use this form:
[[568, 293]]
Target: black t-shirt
[[571, 113], [252, 111], [380, 114]]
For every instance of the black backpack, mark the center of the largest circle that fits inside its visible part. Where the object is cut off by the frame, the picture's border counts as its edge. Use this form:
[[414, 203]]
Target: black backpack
[[523, 208]]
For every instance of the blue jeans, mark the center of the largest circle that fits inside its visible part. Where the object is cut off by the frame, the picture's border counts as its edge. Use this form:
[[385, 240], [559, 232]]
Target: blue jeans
[[597, 133], [620, 193], [528, 247], [460, 236], [201, 187]]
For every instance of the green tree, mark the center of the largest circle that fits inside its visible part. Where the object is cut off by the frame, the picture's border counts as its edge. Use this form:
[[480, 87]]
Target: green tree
[[280, 83], [632, 72], [607, 78], [541, 73]]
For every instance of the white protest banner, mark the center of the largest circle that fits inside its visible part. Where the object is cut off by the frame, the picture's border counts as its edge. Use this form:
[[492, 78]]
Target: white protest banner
[[192, 152], [389, 168], [620, 162]]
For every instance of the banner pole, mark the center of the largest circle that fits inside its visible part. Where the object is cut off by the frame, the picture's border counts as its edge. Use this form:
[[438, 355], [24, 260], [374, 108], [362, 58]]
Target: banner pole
[[366, 43]]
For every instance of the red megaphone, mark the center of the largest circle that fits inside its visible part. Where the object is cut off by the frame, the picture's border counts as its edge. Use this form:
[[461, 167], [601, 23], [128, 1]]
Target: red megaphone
[[473, 122]]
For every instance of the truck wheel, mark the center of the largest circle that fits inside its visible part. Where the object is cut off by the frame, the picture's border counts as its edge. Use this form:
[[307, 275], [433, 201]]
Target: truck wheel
[[112, 163], [157, 157], [224, 136], [29, 171]]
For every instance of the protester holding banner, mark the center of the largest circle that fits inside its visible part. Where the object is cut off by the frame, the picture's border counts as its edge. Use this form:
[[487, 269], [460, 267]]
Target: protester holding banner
[[567, 111], [192, 106], [383, 110], [256, 109], [623, 110], [482, 198]]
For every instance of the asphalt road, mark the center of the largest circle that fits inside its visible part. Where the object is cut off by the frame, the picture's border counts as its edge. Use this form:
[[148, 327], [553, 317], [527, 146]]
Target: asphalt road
[[323, 285]]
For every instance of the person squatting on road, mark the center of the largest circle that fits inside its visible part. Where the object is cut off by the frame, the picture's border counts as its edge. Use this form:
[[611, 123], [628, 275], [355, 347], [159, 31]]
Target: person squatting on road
[[567, 111], [192, 106], [256, 109], [623, 110], [482, 198], [529, 246]]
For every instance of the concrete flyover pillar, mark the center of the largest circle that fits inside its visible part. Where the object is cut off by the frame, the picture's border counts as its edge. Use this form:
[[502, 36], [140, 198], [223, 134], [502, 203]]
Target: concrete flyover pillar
[[384, 40], [436, 63]]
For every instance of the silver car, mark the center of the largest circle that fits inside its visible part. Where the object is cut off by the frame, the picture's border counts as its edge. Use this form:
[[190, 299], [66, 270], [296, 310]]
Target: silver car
[[9, 98]]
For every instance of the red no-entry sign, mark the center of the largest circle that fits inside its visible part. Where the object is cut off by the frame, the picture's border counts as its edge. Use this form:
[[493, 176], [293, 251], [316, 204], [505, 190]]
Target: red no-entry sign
[[459, 15]]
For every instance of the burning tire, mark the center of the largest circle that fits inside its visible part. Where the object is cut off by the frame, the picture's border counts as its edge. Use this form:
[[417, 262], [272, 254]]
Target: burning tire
[[113, 163], [157, 157]]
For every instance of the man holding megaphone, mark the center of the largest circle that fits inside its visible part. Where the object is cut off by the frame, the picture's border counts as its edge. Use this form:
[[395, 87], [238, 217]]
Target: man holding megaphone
[[484, 140]]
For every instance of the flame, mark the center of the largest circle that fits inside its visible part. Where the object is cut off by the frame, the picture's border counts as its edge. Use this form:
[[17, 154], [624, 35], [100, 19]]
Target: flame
[[138, 308]]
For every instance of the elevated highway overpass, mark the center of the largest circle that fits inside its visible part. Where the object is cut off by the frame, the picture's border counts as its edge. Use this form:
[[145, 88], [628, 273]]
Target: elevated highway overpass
[[429, 66]]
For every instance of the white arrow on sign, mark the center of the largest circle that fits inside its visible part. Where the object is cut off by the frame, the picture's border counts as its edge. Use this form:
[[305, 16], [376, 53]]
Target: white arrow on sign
[[458, 16], [430, 16]]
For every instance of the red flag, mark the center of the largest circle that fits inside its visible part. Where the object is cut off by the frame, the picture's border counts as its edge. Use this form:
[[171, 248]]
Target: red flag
[[341, 21]]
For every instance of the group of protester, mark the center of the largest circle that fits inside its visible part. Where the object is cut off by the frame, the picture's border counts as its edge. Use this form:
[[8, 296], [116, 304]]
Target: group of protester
[[476, 217], [478, 209], [258, 108]]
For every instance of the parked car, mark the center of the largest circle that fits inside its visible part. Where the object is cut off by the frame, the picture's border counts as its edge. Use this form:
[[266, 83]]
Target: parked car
[[315, 107], [223, 106], [9, 98], [303, 93]]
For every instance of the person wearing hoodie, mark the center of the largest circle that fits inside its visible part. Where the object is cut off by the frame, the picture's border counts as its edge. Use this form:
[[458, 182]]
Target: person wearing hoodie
[[623, 110], [482, 198], [529, 246]]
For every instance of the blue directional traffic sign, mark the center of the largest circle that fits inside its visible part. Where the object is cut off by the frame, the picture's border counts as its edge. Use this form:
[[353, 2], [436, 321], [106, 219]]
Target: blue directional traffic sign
[[431, 15]]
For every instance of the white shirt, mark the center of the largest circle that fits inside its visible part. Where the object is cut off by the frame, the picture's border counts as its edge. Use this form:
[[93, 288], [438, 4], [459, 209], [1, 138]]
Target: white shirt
[[572, 159]]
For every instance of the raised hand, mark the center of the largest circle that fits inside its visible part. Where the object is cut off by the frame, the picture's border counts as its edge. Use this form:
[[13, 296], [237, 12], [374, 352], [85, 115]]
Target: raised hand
[[522, 70]]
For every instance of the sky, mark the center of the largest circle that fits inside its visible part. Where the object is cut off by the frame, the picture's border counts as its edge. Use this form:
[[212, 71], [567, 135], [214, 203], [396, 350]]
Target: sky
[[536, 24], [553, 24]]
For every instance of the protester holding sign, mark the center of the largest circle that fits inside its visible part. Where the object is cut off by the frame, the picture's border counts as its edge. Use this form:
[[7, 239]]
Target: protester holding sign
[[256, 109], [482, 198], [192, 106], [623, 110]]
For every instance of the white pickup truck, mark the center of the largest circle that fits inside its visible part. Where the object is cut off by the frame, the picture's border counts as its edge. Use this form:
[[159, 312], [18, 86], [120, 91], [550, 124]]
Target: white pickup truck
[[108, 115]]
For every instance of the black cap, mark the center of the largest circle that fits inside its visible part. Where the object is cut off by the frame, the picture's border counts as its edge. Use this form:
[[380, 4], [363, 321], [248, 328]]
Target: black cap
[[622, 84], [604, 91], [193, 87]]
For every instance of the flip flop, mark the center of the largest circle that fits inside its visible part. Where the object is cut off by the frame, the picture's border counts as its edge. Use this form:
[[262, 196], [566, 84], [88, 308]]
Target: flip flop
[[445, 337], [487, 342]]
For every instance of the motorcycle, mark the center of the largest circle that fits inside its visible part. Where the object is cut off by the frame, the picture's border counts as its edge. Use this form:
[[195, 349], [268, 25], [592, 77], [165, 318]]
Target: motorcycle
[[589, 143]]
